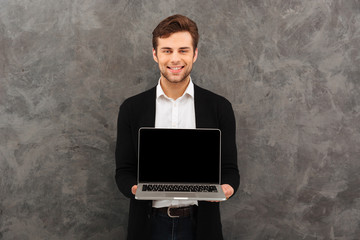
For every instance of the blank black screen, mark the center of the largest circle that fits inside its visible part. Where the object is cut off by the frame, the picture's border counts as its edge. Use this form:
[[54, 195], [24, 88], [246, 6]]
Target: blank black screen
[[179, 155]]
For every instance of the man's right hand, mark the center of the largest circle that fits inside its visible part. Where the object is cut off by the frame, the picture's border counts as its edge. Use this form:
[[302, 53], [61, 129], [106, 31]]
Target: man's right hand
[[133, 189]]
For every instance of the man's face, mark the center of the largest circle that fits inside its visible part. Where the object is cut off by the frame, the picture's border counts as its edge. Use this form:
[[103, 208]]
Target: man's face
[[175, 56]]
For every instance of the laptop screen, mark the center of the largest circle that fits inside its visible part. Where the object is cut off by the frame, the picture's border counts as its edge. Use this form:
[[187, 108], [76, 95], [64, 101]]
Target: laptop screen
[[179, 155]]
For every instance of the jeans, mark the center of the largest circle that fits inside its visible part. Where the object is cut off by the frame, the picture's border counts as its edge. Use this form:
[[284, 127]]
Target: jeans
[[166, 228]]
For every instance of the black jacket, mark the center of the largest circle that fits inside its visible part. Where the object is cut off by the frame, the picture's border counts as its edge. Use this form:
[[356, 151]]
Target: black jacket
[[211, 111]]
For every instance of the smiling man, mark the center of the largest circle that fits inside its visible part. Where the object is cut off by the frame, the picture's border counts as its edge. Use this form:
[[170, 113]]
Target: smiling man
[[175, 56], [175, 102]]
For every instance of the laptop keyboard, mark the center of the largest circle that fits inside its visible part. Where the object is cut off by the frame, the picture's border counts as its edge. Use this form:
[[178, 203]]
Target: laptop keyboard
[[178, 188]]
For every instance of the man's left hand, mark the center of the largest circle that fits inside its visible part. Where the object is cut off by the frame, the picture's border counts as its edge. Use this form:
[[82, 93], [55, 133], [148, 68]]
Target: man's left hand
[[228, 190]]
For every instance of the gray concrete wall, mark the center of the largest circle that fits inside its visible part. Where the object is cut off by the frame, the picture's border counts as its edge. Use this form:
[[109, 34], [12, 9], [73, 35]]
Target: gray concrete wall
[[290, 68]]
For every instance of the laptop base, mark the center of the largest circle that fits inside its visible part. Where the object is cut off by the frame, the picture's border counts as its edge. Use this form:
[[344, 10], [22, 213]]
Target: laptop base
[[201, 196]]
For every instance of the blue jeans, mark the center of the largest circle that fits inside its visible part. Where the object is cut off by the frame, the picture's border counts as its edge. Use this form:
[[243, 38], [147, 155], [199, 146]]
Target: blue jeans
[[167, 228]]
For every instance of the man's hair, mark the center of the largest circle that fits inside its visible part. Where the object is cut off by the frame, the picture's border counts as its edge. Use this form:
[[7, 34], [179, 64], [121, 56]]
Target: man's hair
[[173, 24]]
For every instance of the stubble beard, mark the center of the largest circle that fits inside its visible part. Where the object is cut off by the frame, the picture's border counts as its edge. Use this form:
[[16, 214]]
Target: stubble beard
[[174, 81]]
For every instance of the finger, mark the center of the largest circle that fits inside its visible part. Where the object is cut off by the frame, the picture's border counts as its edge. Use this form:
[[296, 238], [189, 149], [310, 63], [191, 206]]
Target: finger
[[228, 190], [133, 189]]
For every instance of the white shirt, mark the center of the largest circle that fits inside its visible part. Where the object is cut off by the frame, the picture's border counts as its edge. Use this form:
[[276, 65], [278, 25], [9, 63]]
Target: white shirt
[[179, 113]]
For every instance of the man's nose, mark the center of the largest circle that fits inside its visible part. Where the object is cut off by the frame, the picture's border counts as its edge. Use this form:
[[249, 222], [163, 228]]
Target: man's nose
[[175, 57]]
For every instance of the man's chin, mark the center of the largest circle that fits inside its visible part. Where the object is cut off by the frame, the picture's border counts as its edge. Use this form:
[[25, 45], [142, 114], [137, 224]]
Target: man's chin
[[176, 80]]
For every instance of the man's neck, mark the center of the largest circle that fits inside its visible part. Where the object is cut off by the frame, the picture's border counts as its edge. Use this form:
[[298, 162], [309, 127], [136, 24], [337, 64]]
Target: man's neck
[[174, 90]]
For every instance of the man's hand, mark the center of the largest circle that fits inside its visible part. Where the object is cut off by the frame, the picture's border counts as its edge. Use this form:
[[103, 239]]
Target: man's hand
[[228, 190], [133, 189]]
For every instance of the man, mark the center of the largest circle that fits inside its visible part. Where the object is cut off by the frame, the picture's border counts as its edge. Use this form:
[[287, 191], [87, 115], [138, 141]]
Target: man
[[175, 102]]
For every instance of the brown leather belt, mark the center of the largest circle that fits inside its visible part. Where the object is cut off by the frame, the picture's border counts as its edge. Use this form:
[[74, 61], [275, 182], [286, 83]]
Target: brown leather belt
[[175, 212]]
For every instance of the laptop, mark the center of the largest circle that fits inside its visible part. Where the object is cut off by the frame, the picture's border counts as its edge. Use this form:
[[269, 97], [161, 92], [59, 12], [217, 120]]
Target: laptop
[[179, 164]]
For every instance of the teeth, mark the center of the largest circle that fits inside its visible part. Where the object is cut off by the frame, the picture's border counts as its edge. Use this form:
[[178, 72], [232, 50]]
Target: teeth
[[176, 68]]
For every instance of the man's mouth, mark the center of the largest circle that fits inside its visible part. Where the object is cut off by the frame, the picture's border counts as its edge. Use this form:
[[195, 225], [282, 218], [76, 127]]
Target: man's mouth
[[176, 69]]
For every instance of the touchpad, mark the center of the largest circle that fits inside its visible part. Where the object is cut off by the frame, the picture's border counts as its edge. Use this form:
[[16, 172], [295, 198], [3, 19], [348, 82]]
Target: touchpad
[[181, 196]]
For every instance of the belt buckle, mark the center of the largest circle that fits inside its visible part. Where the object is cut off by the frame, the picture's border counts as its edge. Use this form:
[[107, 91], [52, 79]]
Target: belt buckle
[[169, 214]]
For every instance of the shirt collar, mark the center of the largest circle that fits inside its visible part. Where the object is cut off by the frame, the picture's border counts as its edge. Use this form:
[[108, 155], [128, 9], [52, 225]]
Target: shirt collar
[[189, 90]]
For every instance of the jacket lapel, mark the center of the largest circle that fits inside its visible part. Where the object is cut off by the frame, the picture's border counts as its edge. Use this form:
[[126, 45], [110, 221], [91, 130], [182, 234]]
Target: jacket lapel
[[149, 109], [199, 108]]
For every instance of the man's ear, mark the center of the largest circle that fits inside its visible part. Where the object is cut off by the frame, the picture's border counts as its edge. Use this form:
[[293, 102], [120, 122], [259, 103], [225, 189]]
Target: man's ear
[[195, 55], [155, 56]]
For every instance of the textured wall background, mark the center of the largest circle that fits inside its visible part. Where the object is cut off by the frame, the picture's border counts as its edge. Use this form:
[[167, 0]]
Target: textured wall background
[[290, 68]]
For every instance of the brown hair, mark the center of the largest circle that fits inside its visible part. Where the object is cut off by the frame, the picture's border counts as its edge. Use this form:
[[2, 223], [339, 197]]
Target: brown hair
[[173, 24]]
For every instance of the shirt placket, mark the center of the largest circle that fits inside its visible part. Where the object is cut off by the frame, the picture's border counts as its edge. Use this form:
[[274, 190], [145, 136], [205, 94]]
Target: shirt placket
[[175, 114]]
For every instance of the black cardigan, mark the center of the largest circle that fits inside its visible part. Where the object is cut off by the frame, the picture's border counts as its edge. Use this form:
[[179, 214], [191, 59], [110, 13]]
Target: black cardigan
[[211, 111]]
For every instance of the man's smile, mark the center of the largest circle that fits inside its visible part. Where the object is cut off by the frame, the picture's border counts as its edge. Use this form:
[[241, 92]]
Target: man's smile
[[175, 69]]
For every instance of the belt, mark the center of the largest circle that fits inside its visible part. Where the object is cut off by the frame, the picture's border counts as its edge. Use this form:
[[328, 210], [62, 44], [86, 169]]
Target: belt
[[175, 212]]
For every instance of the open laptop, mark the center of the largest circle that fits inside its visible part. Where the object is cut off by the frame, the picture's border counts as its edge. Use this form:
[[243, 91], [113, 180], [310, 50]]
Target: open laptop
[[179, 164]]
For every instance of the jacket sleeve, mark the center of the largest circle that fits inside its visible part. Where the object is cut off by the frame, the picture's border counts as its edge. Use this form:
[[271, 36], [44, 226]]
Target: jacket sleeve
[[230, 172], [125, 153]]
